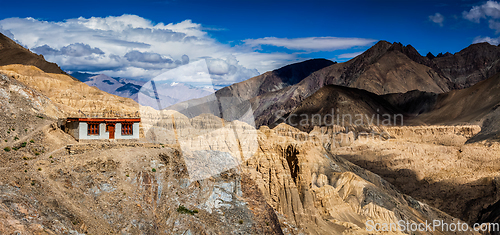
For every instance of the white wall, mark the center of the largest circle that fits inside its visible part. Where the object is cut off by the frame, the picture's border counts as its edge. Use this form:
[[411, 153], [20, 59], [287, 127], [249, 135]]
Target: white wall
[[135, 132], [81, 130], [84, 134]]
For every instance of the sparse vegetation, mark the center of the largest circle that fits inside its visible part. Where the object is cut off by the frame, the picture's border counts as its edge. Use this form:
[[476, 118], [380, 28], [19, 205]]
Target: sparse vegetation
[[14, 148], [38, 116], [25, 130], [16, 138], [240, 221], [39, 169], [25, 158], [183, 210], [6, 149]]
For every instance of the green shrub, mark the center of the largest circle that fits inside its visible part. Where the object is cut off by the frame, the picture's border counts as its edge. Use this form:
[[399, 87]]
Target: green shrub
[[32, 141], [38, 116], [16, 138], [14, 148], [153, 170], [39, 169], [6, 149], [5, 140], [127, 175], [24, 144], [13, 129], [183, 210], [240, 221], [50, 156], [37, 153]]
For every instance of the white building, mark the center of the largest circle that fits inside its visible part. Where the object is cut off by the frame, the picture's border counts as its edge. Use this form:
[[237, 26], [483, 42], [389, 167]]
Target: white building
[[103, 128]]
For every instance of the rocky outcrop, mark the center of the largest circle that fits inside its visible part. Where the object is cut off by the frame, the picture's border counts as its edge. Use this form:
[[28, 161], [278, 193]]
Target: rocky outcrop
[[72, 97], [433, 164], [309, 188], [13, 53]]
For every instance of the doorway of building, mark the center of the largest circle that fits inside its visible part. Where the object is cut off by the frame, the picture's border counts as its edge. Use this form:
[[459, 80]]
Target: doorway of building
[[111, 129]]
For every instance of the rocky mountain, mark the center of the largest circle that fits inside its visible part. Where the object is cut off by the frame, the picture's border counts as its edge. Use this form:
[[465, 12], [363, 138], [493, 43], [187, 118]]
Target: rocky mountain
[[383, 69], [116, 86], [278, 181], [200, 173], [477, 104], [471, 65], [169, 93], [165, 94], [13, 53], [342, 106]]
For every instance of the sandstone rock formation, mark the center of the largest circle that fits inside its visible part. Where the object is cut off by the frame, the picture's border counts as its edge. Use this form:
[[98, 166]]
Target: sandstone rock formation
[[73, 97]]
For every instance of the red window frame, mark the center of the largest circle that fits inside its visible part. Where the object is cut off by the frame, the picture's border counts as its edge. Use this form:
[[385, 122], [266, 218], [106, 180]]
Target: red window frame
[[93, 128], [127, 128]]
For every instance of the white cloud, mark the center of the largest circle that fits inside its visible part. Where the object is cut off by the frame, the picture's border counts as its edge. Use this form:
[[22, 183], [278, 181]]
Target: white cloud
[[494, 25], [131, 46], [349, 55], [311, 43], [437, 18], [75, 50], [492, 41], [134, 47], [488, 9]]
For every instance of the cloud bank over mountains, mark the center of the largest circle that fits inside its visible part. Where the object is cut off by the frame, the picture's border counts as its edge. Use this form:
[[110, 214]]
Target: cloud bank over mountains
[[135, 47]]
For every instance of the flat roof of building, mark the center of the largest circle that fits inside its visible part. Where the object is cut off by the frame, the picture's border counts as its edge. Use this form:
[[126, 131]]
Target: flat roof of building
[[103, 119]]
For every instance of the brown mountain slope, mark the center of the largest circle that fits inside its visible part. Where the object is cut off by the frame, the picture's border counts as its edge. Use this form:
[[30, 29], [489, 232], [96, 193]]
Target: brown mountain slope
[[73, 97], [344, 106], [13, 53], [477, 104], [274, 80], [232, 102], [383, 69], [471, 65]]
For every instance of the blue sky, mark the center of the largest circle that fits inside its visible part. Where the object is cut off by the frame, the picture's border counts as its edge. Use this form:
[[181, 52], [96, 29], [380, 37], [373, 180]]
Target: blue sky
[[239, 39]]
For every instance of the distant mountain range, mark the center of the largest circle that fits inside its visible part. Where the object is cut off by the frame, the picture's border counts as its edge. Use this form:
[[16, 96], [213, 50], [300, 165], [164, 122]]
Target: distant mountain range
[[386, 68], [169, 93]]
